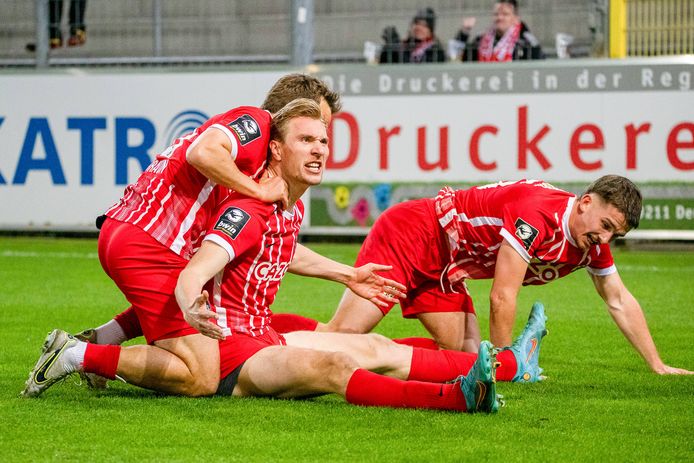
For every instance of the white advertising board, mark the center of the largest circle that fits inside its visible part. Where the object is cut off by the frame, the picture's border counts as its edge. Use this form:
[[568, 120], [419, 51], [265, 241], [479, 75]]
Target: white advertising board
[[70, 142]]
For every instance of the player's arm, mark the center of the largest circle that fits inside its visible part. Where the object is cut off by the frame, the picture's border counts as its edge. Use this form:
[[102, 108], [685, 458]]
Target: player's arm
[[508, 278], [627, 314], [209, 260], [211, 155], [363, 280]]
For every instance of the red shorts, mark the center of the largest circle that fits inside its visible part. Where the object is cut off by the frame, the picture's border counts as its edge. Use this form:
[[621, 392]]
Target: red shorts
[[408, 237], [146, 272], [239, 347]]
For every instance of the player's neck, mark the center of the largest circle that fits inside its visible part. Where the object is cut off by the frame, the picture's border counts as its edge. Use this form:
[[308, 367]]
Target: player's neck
[[295, 193]]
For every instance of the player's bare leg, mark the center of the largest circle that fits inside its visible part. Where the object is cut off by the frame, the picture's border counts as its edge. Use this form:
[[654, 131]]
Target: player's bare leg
[[188, 365], [287, 371], [372, 351], [472, 334], [449, 330], [353, 315]]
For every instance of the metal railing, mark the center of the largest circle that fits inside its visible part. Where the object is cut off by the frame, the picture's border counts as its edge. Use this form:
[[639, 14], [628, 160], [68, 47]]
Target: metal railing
[[157, 32]]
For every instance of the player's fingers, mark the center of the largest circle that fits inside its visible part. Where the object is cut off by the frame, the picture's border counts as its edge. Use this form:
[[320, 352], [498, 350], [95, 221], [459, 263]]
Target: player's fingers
[[394, 286], [209, 315], [380, 267], [211, 330]]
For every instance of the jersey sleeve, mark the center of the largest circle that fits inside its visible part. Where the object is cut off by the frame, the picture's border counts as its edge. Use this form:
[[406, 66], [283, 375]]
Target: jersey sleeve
[[525, 227], [601, 261], [236, 226], [248, 129]]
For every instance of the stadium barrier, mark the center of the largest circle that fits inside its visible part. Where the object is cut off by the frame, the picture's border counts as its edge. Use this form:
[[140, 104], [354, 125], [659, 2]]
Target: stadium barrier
[[72, 140]]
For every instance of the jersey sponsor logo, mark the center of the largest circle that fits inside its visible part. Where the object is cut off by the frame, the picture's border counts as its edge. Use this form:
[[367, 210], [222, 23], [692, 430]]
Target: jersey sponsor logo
[[525, 232], [266, 271], [232, 222], [246, 128]]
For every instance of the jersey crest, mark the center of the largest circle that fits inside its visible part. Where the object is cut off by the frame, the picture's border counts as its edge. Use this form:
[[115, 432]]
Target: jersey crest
[[246, 128], [232, 222], [525, 232]]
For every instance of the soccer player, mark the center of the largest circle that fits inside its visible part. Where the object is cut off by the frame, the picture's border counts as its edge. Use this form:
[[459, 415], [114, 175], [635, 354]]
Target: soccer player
[[242, 260], [516, 233], [151, 233]]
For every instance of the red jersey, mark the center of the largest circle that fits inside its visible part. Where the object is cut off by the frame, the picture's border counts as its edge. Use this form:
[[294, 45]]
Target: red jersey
[[260, 240], [533, 216], [171, 200]]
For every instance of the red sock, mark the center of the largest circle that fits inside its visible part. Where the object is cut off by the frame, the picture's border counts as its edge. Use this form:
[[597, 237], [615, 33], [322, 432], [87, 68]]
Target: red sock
[[102, 359], [422, 343], [507, 370], [288, 322], [370, 389], [129, 322], [438, 366]]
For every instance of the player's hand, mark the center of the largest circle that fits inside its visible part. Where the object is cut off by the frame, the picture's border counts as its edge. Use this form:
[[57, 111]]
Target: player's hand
[[373, 287], [274, 190], [668, 370], [199, 315]]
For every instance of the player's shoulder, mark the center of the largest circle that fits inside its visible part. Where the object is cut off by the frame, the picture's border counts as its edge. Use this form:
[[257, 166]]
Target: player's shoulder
[[252, 206], [238, 212], [259, 115]]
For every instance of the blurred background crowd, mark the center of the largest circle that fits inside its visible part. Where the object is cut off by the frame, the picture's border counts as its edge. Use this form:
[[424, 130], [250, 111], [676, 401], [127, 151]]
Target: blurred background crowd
[[97, 32]]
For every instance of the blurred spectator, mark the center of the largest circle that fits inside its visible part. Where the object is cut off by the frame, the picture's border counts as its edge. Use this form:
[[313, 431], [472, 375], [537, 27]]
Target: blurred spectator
[[78, 29], [507, 39], [420, 46]]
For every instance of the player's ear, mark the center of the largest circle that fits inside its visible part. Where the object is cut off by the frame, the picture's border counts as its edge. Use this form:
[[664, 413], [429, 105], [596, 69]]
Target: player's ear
[[276, 150], [584, 201]]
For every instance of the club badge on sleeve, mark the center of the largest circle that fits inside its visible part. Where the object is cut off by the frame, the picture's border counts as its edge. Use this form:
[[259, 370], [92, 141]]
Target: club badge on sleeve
[[525, 232], [232, 222], [246, 128]]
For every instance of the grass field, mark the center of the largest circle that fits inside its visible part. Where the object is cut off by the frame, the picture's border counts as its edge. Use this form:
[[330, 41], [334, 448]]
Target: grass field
[[600, 402]]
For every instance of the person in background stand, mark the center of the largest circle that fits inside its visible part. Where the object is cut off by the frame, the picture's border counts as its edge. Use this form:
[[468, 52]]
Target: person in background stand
[[420, 46], [78, 28], [508, 39]]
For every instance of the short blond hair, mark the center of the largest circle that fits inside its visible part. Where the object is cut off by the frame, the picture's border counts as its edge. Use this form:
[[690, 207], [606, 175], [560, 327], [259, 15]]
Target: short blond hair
[[301, 107]]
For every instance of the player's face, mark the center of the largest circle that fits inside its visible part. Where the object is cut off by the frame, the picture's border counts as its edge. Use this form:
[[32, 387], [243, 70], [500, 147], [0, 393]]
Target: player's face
[[304, 151], [504, 17], [595, 222]]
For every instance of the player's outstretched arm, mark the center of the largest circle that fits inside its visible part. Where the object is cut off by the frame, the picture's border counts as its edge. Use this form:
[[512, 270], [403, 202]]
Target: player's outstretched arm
[[627, 314], [209, 260], [508, 276], [363, 280], [211, 156]]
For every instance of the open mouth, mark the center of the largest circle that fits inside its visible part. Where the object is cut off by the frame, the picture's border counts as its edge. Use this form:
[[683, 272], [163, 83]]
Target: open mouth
[[314, 167]]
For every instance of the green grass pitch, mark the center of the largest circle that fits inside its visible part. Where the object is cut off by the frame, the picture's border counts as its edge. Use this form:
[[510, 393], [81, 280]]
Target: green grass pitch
[[600, 402]]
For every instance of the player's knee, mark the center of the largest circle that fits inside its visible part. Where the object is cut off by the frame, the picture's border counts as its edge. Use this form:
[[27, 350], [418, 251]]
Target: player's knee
[[335, 368], [450, 342], [341, 327], [200, 384], [379, 344], [206, 387]]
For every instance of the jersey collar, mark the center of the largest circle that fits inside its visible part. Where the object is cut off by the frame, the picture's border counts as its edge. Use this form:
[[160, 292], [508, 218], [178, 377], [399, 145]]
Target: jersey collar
[[565, 221]]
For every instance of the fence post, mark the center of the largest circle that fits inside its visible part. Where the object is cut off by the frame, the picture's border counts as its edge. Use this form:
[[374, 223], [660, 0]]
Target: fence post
[[41, 33], [156, 27], [618, 28], [302, 32]]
